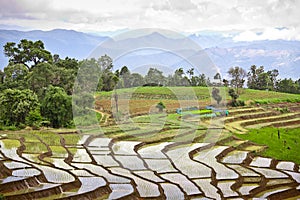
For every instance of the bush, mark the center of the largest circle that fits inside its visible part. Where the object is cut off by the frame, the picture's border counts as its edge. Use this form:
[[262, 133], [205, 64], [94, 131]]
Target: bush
[[34, 117], [160, 106], [21, 126], [45, 123], [237, 103], [2, 197], [283, 110], [9, 128]]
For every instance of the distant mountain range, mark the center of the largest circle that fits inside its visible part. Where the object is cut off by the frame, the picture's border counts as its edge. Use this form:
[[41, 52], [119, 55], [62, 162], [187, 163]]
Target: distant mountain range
[[224, 52], [59, 41]]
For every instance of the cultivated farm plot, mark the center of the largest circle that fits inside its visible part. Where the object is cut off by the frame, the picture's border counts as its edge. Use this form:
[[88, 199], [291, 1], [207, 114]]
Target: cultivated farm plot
[[138, 163]]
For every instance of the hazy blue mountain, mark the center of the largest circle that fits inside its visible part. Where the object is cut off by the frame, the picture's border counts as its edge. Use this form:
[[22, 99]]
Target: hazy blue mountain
[[278, 54], [59, 41], [222, 50]]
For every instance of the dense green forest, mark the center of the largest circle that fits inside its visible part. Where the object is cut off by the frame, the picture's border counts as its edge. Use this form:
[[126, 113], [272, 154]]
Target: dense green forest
[[36, 87]]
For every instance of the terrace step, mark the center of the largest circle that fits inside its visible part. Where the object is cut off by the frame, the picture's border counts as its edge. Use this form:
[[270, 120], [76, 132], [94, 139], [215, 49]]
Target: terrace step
[[291, 122], [235, 157], [278, 122], [240, 126], [261, 162], [172, 191], [209, 190], [248, 116], [267, 121], [208, 157], [146, 189], [39, 191], [153, 151], [91, 187], [120, 191], [238, 111], [185, 184], [183, 162]]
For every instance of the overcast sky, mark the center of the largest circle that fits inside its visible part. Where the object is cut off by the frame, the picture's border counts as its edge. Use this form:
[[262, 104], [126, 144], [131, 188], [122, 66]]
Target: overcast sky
[[254, 19]]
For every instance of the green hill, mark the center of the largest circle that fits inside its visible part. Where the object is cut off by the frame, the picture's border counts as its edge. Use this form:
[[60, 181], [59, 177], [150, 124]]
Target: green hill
[[259, 96]]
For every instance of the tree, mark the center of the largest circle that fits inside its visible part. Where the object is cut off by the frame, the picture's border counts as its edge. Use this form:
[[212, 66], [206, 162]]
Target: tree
[[154, 76], [217, 76], [136, 80], [216, 95], [202, 80], [287, 85], [237, 75], [233, 95], [15, 105], [27, 52], [273, 78], [263, 81], [57, 107], [217, 79], [190, 72], [67, 63], [64, 78], [41, 77], [56, 58], [2, 75], [105, 62], [253, 76], [194, 81], [125, 77], [88, 77], [108, 81], [14, 76], [260, 80], [107, 76], [225, 82], [179, 78], [65, 72]]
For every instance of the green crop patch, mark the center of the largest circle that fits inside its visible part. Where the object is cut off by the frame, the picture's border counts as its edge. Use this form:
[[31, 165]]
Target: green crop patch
[[282, 143]]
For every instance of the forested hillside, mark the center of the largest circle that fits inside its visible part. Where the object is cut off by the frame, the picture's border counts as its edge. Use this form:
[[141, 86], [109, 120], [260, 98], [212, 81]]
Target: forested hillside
[[37, 86]]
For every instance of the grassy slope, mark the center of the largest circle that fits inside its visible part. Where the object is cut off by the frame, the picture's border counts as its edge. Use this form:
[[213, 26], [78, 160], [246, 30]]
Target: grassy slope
[[246, 94], [285, 148], [262, 136]]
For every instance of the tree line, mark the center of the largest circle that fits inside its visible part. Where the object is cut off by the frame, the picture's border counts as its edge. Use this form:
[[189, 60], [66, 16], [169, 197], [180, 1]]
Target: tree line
[[36, 87]]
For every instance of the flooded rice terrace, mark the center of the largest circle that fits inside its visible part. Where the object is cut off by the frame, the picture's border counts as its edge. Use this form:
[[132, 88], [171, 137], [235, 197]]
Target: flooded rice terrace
[[73, 166]]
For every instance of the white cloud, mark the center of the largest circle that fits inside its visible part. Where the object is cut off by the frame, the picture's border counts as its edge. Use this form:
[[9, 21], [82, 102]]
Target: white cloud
[[269, 34], [186, 16]]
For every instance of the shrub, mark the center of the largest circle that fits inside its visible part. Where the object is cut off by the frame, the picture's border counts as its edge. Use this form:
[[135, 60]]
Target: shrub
[[9, 128], [21, 126], [160, 106], [34, 117], [283, 110], [237, 103], [2, 197]]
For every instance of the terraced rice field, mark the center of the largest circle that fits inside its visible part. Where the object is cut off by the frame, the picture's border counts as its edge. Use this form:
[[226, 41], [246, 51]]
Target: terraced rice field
[[178, 161]]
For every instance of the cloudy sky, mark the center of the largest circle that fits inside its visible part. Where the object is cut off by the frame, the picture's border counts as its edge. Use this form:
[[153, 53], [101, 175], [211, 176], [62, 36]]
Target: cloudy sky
[[253, 20]]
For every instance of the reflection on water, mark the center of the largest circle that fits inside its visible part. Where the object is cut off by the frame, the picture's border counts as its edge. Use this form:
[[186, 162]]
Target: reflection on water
[[15, 165], [27, 172], [54, 175]]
